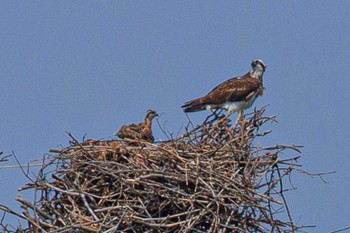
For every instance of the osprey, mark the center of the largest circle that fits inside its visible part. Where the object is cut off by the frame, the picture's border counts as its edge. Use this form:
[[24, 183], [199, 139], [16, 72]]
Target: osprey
[[140, 131], [233, 95]]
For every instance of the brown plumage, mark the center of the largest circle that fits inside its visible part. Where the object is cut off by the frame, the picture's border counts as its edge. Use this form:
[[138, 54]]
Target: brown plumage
[[140, 131], [235, 94]]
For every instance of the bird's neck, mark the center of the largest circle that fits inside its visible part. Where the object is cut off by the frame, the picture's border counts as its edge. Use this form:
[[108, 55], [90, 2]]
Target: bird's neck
[[257, 73], [148, 121]]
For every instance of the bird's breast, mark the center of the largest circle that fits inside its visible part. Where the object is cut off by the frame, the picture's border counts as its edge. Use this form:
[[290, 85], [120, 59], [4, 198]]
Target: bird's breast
[[236, 106]]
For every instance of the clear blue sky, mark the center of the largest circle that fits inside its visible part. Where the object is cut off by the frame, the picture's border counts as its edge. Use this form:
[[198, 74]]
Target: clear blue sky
[[90, 66]]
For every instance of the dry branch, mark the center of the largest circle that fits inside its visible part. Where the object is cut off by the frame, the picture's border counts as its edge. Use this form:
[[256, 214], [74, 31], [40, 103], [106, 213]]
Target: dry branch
[[213, 178]]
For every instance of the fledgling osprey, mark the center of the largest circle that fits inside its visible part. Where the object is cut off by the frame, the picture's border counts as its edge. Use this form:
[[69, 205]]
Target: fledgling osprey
[[233, 95], [140, 131]]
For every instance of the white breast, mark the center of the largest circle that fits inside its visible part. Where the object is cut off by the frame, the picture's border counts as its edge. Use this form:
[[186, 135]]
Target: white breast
[[232, 107]]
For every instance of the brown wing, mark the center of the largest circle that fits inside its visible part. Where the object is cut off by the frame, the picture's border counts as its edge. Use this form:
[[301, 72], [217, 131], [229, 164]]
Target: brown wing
[[132, 131], [147, 134], [136, 132], [234, 89]]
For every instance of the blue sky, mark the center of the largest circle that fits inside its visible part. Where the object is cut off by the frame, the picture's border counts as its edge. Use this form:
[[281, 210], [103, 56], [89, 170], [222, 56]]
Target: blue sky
[[88, 67]]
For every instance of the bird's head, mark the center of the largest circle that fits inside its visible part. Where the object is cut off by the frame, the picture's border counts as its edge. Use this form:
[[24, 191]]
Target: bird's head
[[258, 64], [150, 114]]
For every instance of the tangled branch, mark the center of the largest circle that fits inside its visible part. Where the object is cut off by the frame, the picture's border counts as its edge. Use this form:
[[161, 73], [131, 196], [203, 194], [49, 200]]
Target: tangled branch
[[213, 178]]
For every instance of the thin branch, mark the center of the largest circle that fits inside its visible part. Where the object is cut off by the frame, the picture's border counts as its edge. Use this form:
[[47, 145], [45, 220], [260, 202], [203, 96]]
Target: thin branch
[[214, 177]]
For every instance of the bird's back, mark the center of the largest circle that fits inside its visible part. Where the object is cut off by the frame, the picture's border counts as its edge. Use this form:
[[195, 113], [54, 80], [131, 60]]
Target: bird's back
[[131, 131], [236, 89], [139, 131]]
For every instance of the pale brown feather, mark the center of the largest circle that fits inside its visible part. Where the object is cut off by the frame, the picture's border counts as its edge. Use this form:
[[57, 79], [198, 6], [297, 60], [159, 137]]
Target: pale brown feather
[[238, 89], [232, 90], [140, 131]]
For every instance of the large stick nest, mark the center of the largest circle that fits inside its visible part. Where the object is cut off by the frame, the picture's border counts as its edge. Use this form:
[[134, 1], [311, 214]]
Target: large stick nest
[[213, 178]]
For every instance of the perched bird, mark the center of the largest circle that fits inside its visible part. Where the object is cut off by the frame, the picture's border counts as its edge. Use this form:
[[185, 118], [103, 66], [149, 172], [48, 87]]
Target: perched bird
[[233, 95], [140, 131]]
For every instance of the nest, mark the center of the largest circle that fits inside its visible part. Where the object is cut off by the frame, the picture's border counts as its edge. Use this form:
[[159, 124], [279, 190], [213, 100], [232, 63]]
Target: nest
[[213, 178]]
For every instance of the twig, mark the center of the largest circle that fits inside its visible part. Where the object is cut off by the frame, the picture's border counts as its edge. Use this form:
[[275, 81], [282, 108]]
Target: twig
[[340, 230], [212, 178]]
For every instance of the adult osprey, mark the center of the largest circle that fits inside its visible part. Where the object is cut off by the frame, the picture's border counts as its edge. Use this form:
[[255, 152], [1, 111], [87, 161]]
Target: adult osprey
[[140, 131], [233, 95]]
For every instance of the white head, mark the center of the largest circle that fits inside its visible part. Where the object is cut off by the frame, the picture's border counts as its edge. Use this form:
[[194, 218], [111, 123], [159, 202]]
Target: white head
[[258, 64], [258, 68]]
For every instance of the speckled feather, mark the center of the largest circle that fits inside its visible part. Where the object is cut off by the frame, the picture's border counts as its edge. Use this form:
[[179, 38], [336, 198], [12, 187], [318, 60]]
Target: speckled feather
[[235, 94], [140, 131]]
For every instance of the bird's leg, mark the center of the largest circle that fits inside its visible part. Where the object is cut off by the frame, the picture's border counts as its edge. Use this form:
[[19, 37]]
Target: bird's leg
[[240, 116], [239, 119], [242, 121]]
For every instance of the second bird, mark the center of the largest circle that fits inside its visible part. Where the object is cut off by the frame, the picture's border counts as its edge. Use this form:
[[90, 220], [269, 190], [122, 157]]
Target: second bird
[[233, 95], [140, 131]]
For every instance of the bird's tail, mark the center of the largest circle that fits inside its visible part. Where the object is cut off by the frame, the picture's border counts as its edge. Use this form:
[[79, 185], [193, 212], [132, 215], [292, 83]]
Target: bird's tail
[[194, 105]]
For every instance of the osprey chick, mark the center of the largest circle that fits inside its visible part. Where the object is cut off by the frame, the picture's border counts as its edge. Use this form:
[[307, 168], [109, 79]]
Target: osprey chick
[[140, 131]]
